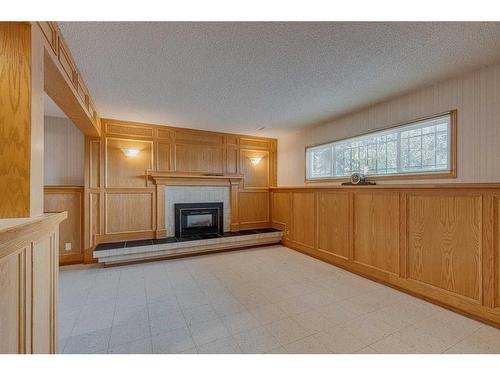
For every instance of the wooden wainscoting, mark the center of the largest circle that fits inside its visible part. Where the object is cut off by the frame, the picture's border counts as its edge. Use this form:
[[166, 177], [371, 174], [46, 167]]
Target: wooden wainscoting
[[29, 284], [120, 197], [69, 199], [439, 242]]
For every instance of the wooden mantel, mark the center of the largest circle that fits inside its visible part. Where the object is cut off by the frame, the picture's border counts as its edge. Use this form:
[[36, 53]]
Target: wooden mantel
[[192, 179], [163, 179]]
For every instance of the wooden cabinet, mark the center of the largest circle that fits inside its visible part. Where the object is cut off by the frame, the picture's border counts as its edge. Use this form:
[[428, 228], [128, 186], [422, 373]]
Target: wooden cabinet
[[28, 284], [440, 242]]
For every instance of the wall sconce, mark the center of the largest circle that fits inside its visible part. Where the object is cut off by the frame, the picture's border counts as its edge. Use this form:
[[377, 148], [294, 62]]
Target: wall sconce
[[254, 160], [130, 152]]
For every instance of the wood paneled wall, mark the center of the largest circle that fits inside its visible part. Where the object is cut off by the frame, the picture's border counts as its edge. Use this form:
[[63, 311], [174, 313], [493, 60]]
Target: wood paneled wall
[[121, 200], [69, 199], [440, 242], [28, 285]]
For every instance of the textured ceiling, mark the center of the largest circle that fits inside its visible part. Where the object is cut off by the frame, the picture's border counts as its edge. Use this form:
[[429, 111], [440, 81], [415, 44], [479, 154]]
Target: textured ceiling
[[239, 77]]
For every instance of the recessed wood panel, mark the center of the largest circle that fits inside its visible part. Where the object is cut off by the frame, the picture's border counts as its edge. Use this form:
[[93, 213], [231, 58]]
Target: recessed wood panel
[[199, 158], [256, 176], [11, 274], [95, 164], [280, 203], [303, 218], [124, 171], [376, 230], [253, 207], [70, 230], [66, 62], [445, 242], [255, 143], [334, 223], [95, 218], [42, 282], [164, 152], [231, 160], [198, 137], [232, 140], [118, 129], [129, 212], [164, 134]]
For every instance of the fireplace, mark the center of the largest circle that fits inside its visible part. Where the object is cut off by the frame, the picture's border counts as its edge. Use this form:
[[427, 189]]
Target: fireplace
[[199, 219]]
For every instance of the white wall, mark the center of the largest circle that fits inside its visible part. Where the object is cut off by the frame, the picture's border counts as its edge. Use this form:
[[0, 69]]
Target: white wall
[[64, 153], [476, 96]]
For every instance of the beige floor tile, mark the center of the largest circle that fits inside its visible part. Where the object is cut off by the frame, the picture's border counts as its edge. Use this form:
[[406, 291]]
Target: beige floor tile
[[287, 331], [340, 341], [307, 345], [256, 341], [226, 345]]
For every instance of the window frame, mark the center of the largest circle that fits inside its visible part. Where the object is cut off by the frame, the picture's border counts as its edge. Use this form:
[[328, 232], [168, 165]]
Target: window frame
[[452, 173]]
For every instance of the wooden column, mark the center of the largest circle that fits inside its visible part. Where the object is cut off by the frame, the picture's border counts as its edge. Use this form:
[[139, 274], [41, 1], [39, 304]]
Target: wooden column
[[21, 120]]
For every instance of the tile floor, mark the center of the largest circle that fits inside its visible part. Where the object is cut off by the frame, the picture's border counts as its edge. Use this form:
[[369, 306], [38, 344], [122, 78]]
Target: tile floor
[[262, 300]]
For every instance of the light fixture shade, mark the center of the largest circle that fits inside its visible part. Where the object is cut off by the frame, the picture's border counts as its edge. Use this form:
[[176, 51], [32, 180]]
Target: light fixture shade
[[254, 160], [130, 152]]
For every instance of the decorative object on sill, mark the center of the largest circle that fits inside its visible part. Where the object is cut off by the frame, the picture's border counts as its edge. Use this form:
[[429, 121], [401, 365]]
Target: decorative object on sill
[[254, 160], [130, 152], [358, 179]]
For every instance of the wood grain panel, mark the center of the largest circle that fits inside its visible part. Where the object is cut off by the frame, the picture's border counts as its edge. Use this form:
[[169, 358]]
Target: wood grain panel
[[66, 62], [129, 212], [198, 158], [253, 143], [198, 137], [231, 160], [95, 217], [164, 156], [139, 131], [42, 278], [15, 119], [253, 207], [164, 134], [495, 259], [11, 275], [280, 209], [28, 284], [95, 163], [334, 223], [445, 242], [303, 219], [255, 176], [69, 199], [376, 230], [123, 171]]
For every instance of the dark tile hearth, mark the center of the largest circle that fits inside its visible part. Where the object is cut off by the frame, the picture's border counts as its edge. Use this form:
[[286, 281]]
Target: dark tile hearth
[[119, 245]]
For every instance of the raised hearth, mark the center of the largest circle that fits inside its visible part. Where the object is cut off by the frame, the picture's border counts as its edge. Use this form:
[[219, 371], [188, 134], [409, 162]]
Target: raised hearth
[[130, 251]]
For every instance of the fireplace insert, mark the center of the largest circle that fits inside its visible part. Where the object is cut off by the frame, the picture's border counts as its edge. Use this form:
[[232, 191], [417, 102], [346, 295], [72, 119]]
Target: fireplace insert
[[199, 219]]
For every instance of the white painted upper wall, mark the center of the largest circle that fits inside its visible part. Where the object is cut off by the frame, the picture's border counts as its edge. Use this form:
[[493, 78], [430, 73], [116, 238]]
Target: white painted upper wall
[[475, 95], [64, 152]]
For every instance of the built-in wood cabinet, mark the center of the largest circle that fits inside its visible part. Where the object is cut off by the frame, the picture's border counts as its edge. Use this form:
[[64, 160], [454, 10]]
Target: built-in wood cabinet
[[28, 284], [440, 242]]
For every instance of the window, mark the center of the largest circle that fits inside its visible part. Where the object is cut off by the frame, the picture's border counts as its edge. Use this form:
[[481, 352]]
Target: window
[[419, 147]]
